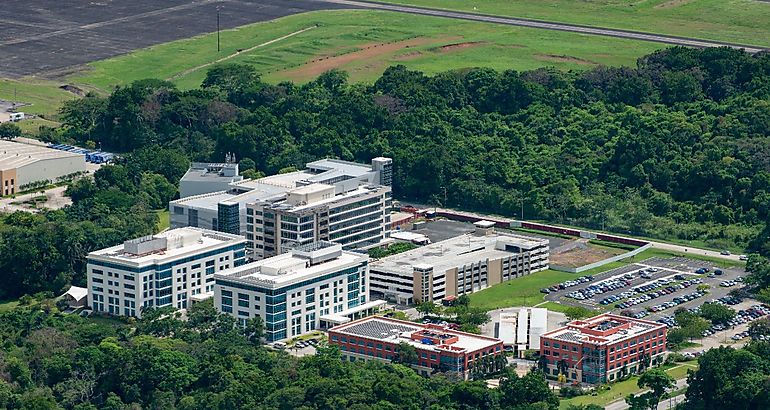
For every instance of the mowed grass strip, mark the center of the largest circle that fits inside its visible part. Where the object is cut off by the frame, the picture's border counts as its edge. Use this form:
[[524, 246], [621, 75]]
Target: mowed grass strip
[[524, 291], [442, 44], [736, 21]]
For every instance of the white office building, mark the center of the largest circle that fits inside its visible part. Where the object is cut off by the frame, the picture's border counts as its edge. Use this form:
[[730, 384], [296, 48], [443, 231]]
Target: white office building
[[342, 201], [457, 266], [203, 178], [292, 292], [174, 268], [358, 218]]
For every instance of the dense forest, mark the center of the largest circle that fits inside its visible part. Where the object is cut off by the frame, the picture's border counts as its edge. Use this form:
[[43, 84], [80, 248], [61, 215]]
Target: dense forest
[[51, 361], [54, 361], [47, 251], [675, 148]]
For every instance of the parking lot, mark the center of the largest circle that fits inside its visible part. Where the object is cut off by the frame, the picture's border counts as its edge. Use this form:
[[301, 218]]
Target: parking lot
[[651, 289]]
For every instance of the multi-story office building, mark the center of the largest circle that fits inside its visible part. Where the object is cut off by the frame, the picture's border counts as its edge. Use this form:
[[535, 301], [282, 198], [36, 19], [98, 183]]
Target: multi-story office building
[[173, 268], [355, 219], [293, 291], [439, 349], [603, 348], [203, 178], [457, 266], [339, 196]]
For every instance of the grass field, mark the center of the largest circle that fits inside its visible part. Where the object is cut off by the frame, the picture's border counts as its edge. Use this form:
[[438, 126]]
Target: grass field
[[44, 97], [622, 389], [364, 43], [739, 21], [523, 291], [164, 220]]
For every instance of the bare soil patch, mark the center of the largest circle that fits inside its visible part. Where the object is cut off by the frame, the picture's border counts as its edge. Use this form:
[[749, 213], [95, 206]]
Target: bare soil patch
[[319, 65], [408, 56], [564, 59], [580, 253], [459, 46]]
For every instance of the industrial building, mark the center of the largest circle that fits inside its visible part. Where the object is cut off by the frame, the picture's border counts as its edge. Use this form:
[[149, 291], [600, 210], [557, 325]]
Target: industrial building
[[295, 292], [439, 348], [203, 178], [173, 268], [521, 330], [25, 164], [457, 266], [335, 200], [603, 348]]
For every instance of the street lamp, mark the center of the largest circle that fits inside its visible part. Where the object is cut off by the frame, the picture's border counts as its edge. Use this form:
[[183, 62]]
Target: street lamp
[[218, 9]]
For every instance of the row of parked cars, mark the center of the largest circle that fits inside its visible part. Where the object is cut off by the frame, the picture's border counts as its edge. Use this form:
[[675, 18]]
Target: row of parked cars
[[656, 290], [676, 301], [567, 284], [610, 285], [729, 283]]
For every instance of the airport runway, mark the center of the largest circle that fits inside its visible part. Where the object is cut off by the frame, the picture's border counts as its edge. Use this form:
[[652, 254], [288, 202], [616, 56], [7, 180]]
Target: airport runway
[[634, 35]]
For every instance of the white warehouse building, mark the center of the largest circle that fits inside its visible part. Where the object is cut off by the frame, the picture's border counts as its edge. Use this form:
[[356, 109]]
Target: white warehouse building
[[296, 291], [24, 164], [173, 268]]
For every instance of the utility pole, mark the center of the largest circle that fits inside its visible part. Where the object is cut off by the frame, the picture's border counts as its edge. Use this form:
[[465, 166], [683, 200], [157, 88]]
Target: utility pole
[[522, 208], [218, 8]]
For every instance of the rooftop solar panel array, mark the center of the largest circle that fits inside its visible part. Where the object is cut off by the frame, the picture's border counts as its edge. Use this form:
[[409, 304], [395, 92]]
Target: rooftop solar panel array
[[377, 329]]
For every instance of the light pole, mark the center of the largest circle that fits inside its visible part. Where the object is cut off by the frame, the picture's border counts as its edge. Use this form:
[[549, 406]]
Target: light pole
[[218, 8]]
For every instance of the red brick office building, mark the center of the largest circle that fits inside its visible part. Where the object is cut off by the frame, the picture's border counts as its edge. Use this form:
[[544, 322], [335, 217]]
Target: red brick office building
[[603, 348], [438, 348]]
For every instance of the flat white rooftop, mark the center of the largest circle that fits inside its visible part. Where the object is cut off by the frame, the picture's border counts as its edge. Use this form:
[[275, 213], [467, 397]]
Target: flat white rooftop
[[397, 331], [454, 252], [293, 266], [181, 242], [15, 154]]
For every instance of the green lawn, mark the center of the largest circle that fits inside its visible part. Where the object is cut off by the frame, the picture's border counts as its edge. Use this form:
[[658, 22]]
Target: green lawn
[[44, 97], [680, 370], [8, 305], [618, 391], [741, 21], [523, 291], [164, 220], [340, 36]]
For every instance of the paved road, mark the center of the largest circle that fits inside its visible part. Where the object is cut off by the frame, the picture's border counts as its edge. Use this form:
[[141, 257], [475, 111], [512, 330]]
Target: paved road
[[635, 35], [663, 405], [694, 251], [56, 200]]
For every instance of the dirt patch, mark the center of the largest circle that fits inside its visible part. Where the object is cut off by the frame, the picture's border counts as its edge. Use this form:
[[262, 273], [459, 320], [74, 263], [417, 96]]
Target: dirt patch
[[579, 253], [564, 59], [73, 89], [320, 65], [408, 56], [670, 4], [459, 46]]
